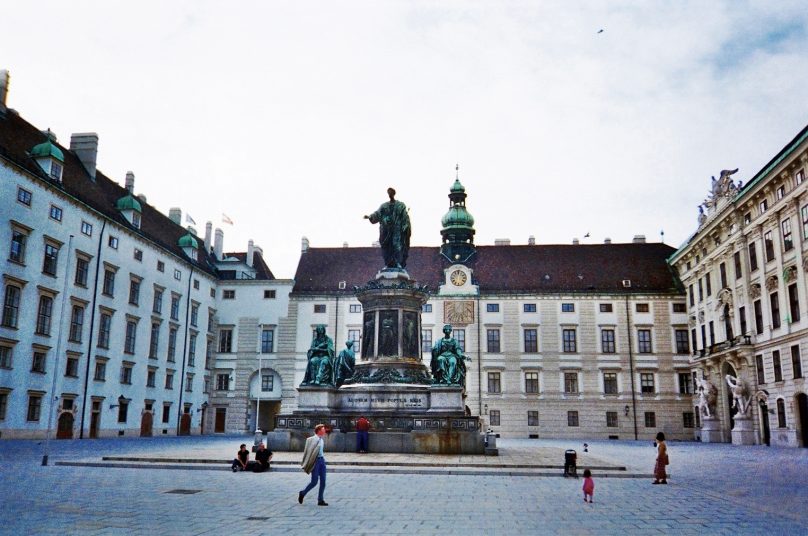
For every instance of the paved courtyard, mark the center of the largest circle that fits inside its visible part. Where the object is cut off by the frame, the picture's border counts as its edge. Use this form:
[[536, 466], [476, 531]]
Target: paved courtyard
[[714, 489]]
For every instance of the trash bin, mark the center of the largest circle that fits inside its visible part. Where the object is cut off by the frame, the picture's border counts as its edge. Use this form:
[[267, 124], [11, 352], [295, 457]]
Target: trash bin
[[570, 463]]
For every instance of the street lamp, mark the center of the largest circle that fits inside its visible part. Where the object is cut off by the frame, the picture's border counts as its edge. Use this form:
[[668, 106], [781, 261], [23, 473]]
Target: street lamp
[[121, 400]]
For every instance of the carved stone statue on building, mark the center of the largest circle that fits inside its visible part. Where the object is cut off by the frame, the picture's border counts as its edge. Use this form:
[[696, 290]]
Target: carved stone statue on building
[[740, 395], [394, 231], [321, 359], [448, 362], [723, 188], [708, 395], [344, 364]]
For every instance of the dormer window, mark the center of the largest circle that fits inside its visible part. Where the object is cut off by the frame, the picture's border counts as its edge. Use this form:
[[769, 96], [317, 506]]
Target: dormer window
[[56, 171], [49, 157], [135, 220]]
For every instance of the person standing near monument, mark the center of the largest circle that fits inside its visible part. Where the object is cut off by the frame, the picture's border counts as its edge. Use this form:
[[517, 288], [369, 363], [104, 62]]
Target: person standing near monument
[[362, 436], [394, 231], [314, 463]]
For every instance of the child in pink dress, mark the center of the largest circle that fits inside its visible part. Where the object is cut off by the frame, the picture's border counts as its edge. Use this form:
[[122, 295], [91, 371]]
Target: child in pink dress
[[589, 486]]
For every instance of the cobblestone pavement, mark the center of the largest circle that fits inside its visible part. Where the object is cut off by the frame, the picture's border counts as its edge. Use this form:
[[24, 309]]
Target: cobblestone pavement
[[714, 489]]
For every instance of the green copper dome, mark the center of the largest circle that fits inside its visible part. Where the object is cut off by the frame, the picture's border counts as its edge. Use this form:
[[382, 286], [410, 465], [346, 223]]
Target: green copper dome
[[48, 149], [457, 216], [188, 241], [128, 202], [457, 187]]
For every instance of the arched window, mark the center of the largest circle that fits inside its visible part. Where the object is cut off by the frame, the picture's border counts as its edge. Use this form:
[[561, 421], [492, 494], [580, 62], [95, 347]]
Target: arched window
[[781, 413]]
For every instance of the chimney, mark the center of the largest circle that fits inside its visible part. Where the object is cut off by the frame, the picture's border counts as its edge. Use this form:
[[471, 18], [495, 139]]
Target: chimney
[[218, 243], [575, 242], [4, 79], [250, 253], [85, 147], [129, 184], [531, 240], [607, 240], [208, 235], [304, 245], [175, 215], [345, 244], [639, 239], [502, 241]]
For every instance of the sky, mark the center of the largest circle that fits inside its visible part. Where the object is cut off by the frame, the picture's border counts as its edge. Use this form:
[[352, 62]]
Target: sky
[[293, 118]]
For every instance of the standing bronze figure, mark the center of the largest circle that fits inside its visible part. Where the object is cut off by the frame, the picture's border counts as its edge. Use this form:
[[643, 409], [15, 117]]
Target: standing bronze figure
[[394, 231]]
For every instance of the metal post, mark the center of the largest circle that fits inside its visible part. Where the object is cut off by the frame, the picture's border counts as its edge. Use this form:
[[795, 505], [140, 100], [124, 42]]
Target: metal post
[[631, 368], [260, 387]]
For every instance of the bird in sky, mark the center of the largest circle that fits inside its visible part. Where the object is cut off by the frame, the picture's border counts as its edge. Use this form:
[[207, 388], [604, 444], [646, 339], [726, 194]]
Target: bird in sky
[[586, 235], [600, 31]]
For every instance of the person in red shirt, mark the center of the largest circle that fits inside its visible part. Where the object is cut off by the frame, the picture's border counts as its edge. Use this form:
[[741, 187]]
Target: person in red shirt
[[589, 486], [362, 429]]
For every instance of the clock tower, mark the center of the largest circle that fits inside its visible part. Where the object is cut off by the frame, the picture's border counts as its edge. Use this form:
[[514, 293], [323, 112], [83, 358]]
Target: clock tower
[[457, 229]]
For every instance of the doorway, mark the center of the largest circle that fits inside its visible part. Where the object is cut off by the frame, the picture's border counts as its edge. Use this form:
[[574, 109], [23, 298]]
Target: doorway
[[221, 416], [64, 427], [266, 414], [146, 424], [764, 421], [95, 419], [802, 408], [185, 423]]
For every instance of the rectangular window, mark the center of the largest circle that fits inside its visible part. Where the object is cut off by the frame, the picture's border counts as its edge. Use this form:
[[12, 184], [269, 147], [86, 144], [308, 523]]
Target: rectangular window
[[104, 328], [134, 291], [780, 193], [11, 306], [123, 411], [742, 319], [112, 242], [426, 308], [778, 369], [154, 340], [794, 303], [178, 275], [682, 345], [529, 308], [532, 418], [318, 307], [607, 345], [51, 259], [610, 383], [5, 357], [571, 383], [170, 379], [38, 362], [708, 284], [3, 405], [157, 303], [644, 341], [768, 246], [606, 308], [194, 314], [206, 385], [646, 382], [722, 274], [189, 383], [650, 419], [18, 241], [567, 307], [126, 374], [685, 385], [761, 374], [175, 307], [494, 383], [531, 382], [44, 314], [100, 371], [712, 333], [161, 266], [55, 213], [694, 340], [774, 301], [572, 418], [172, 344], [796, 362], [355, 308], [82, 269], [611, 419], [108, 288], [76, 323], [131, 334], [763, 206], [34, 407], [753, 265], [701, 290], [492, 335], [781, 413], [758, 317], [460, 336], [570, 345], [24, 197], [688, 419], [531, 336], [788, 243], [426, 340], [151, 377], [492, 307], [137, 255], [799, 176], [222, 382], [493, 416], [225, 341], [267, 341], [737, 260], [166, 412], [643, 307], [229, 295], [679, 308], [192, 349], [270, 295], [86, 228], [355, 335]]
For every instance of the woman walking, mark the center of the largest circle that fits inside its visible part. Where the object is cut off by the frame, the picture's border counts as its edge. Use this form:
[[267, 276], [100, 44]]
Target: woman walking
[[660, 475]]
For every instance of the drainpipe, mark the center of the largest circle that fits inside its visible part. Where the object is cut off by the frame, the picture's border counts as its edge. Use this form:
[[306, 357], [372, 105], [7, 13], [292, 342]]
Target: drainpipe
[[631, 368], [479, 361], [92, 328], [184, 349]]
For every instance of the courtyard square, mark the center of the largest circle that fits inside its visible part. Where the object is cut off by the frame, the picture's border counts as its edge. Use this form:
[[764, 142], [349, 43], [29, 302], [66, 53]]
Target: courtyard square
[[714, 489]]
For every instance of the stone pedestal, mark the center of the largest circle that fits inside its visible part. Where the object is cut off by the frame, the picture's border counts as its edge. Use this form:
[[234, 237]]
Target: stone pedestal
[[711, 430], [743, 433]]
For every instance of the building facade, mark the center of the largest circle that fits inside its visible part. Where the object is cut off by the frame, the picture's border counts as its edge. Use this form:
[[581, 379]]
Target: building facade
[[745, 274]]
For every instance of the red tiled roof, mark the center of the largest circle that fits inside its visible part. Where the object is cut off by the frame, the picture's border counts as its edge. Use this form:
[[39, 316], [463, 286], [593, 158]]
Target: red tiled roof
[[262, 271], [504, 269], [18, 137]]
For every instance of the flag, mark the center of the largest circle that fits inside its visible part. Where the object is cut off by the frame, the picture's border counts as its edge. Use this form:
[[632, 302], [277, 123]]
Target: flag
[[226, 219], [189, 219]]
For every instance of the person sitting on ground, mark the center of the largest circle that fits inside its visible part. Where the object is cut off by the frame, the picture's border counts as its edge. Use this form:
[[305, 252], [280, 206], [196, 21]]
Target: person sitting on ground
[[262, 457], [241, 459]]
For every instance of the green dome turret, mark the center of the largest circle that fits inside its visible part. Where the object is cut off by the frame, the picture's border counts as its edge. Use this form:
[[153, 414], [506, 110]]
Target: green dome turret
[[48, 149], [188, 241], [457, 226], [128, 202]]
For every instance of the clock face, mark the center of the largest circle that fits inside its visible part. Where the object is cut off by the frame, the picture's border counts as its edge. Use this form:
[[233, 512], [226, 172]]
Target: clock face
[[458, 278]]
